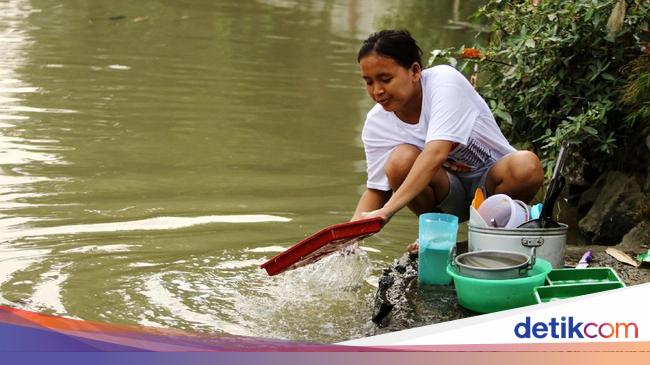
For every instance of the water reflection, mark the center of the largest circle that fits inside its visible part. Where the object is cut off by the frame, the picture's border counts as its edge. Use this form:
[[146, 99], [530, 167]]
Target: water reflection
[[154, 153], [17, 152]]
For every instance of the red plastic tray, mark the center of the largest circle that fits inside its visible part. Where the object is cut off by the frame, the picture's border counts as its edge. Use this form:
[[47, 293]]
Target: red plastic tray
[[322, 243]]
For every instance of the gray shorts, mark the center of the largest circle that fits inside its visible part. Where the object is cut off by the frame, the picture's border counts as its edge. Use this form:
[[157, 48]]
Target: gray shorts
[[461, 192]]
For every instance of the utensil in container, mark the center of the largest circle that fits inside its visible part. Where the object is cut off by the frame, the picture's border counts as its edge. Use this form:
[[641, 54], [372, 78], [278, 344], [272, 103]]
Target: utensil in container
[[475, 218], [496, 264], [502, 211], [493, 265], [555, 188]]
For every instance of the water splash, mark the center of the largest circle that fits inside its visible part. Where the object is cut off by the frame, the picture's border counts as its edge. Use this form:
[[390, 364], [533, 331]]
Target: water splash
[[325, 301], [340, 271]]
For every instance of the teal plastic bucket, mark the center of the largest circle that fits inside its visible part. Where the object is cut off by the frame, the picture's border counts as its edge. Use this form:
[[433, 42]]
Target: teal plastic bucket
[[486, 296], [437, 236]]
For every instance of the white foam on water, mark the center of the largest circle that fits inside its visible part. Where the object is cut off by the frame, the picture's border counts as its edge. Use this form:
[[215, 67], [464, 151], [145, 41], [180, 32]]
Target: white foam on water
[[336, 272], [158, 223], [373, 281], [23, 282], [47, 294], [266, 249], [14, 221], [183, 285], [12, 154], [229, 265], [119, 67], [299, 303], [19, 90], [13, 196], [11, 117], [369, 249], [103, 248], [12, 261], [8, 99], [144, 321], [30, 109], [159, 296], [6, 180], [143, 264]]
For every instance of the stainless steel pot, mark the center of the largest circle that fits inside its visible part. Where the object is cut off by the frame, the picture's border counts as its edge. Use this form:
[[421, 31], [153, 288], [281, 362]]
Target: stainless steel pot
[[502, 239], [495, 264]]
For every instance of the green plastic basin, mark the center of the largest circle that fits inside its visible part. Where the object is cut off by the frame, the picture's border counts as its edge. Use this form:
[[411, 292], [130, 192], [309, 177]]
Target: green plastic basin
[[486, 296]]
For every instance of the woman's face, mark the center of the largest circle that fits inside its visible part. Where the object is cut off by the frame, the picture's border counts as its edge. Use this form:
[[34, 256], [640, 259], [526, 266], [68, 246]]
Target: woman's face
[[388, 83]]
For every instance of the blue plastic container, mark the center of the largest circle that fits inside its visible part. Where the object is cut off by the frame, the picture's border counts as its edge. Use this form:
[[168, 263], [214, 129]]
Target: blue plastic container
[[437, 236]]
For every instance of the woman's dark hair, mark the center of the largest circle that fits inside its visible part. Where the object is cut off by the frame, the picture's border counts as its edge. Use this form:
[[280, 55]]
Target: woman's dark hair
[[396, 44]]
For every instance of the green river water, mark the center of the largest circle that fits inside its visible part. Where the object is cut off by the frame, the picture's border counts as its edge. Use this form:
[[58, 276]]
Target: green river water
[[154, 153]]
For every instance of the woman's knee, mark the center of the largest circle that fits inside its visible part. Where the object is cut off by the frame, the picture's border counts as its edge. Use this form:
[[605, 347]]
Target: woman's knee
[[526, 169], [399, 163]]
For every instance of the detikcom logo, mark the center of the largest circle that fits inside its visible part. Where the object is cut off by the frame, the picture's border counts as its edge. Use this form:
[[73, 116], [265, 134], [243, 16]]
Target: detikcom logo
[[568, 327]]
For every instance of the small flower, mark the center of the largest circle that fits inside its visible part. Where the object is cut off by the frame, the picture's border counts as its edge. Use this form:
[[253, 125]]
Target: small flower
[[471, 53]]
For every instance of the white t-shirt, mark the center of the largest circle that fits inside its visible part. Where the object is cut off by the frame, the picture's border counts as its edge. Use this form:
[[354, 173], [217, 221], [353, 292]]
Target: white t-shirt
[[451, 111]]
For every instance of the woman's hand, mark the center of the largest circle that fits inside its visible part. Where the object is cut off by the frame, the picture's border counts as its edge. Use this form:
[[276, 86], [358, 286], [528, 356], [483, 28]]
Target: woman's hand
[[383, 213], [370, 200]]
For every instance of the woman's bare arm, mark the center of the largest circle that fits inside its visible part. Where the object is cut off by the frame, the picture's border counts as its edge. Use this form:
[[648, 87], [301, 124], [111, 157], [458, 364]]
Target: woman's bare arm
[[371, 199], [427, 164]]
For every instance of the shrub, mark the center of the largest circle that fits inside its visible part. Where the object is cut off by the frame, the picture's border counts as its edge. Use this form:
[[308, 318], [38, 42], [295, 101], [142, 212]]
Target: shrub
[[553, 73]]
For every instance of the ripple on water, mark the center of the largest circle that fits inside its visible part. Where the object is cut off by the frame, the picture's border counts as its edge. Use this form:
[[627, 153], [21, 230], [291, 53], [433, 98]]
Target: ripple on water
[[47, 294], [102, 248], [156, 223], [326, 301], [266, 249], [16, 260], [162, 292]]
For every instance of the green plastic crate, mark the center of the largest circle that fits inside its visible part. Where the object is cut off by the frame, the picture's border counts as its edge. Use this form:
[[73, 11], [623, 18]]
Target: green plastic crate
[[596, 275], [545, 294]]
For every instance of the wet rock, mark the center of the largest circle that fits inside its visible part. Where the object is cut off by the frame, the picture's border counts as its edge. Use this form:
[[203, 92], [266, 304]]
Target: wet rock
[[637, 239], [588, 197], [401, 302], [615, 209]]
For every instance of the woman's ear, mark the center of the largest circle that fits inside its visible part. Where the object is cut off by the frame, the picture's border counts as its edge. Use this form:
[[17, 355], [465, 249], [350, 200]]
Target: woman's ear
[[415, 71]]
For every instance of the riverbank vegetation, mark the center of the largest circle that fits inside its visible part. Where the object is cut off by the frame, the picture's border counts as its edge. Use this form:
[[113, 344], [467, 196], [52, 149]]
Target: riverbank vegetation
[[565, 71]]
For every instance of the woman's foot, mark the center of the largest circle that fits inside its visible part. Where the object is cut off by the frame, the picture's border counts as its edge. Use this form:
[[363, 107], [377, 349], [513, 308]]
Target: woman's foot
[[412, 248]]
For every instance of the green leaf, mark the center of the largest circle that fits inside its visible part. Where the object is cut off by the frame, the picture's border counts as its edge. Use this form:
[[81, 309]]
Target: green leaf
[[505, 116], [530, 43], [608, 76], [591, 130]]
